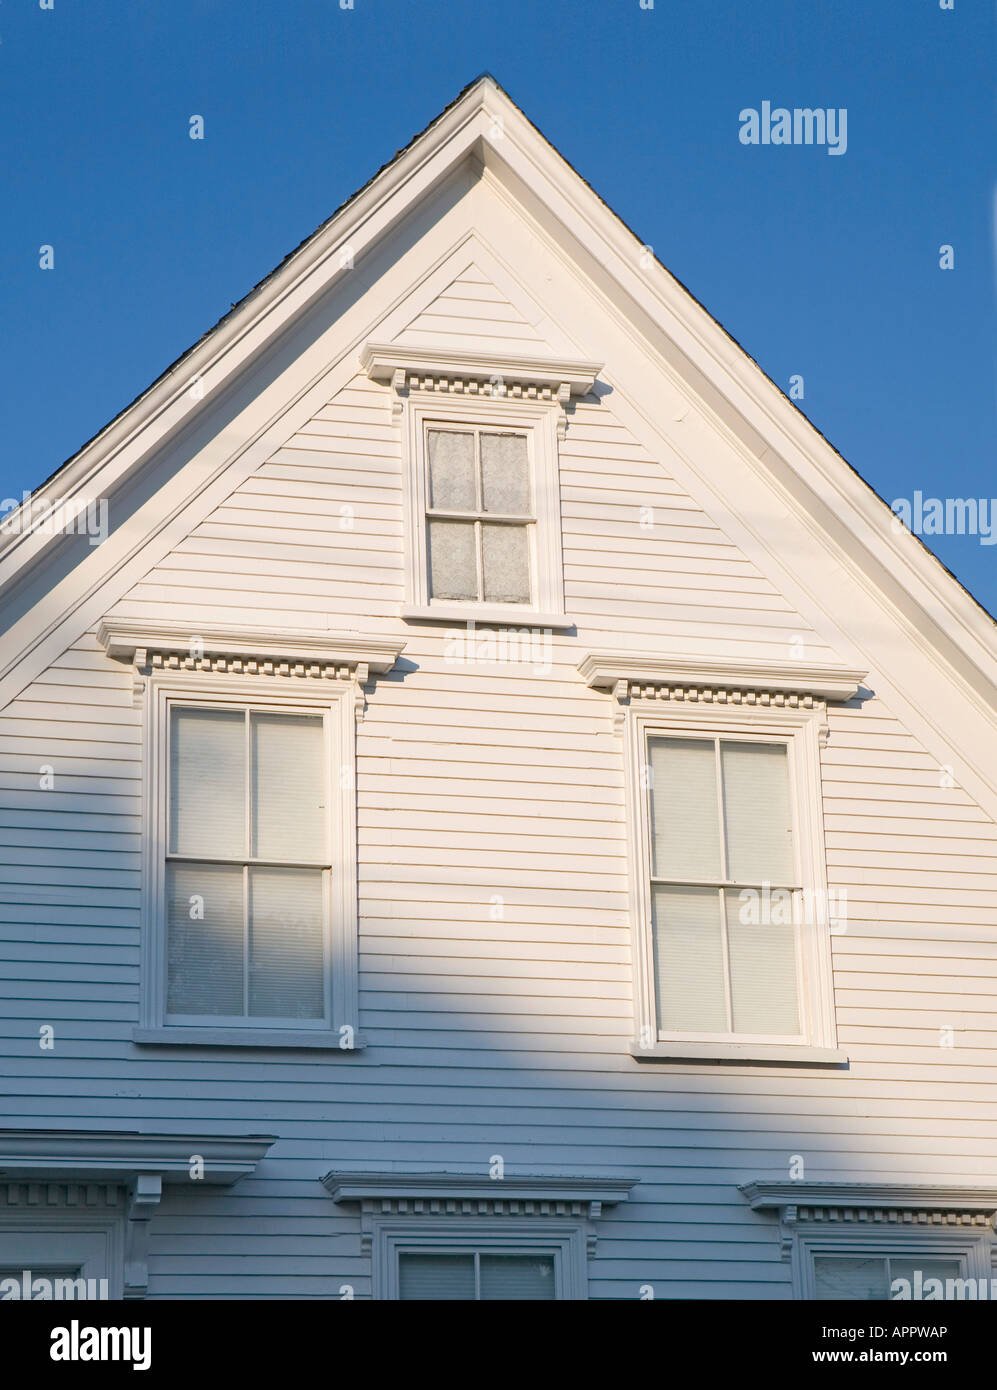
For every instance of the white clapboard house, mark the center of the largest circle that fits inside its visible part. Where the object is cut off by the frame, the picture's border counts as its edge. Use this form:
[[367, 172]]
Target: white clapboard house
[[493, 805]]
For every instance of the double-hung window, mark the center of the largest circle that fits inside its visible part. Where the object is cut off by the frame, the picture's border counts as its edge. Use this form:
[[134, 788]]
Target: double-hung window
[[481, 519], [248, 866], [480, 441], [731, 912], [476, 1275], [723, 852]]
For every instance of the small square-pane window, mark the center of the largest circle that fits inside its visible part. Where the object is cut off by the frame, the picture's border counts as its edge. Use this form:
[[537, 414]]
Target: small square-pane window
[[480, 523]]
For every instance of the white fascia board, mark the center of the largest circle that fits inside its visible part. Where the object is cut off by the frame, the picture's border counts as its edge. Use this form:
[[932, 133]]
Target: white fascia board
[[311, 271], [842, 504]]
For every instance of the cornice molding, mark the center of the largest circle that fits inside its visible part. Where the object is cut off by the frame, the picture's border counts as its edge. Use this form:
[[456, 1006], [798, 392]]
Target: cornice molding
[[86, 1168], [498, 376], [183, 647], [869, 1205], [791, 684], [32, 1155], [421, 1195]]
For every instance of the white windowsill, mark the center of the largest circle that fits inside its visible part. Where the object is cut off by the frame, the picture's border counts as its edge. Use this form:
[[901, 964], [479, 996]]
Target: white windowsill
[[496, 615], [244, 1037], [745, 1053]]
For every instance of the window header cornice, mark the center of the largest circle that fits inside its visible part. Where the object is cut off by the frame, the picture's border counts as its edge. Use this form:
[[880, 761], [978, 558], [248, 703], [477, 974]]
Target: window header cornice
[[474, 1195], [98, 1156], [382, 361], [479, 376], [636, 675], [862, 1202], [124, 639]]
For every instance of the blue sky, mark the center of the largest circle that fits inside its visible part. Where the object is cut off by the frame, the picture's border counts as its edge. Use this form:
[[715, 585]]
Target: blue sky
[[821, 266]]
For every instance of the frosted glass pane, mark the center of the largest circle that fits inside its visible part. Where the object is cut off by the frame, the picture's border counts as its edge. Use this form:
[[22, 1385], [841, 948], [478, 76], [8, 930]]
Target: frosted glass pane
[[758, 820], [288, 786], [436, 1277], [685, 829], [762, 971], [516, 1277], [850, 1277], [451, 471], [688, 960], [453, 571], [506, 563], [208, 782], [505, 474], [205, 939], [286, 963]]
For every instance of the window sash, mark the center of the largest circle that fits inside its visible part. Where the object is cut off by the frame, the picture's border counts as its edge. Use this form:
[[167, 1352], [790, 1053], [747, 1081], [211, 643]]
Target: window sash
[[476, 1252], [725, 885], [527, 521], [246, 862]]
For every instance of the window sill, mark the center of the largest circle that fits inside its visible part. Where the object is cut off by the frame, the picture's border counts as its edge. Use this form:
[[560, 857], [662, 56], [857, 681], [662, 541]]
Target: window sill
[[746, 1054], [495, 614], [239, 1037]]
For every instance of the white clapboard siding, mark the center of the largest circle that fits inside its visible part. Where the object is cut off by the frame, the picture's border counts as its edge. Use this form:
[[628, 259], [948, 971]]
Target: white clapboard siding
[[487, 1034]]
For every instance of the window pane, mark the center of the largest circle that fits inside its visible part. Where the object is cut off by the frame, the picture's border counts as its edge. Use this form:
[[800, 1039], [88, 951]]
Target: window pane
[[208, 782], [688, 960], [506, 563], [517, 1277], [286, 964], [505, 475], [909, 1266], [757, 812], [451, 471], [453, 571], [762, 966], [685, 829], [288, 787], [436, 1276], [850, 1277], [205, 939]]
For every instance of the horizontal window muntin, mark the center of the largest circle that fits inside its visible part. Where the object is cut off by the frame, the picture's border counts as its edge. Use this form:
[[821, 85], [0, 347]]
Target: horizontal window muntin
[[256, 847]]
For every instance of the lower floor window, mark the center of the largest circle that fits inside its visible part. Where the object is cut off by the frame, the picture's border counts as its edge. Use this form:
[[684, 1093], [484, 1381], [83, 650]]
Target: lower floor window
[[475, 1276], [862, 1277]]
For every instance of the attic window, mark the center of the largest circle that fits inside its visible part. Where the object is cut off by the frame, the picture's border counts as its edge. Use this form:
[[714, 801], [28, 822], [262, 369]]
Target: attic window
[[482, 499], [480, 521]]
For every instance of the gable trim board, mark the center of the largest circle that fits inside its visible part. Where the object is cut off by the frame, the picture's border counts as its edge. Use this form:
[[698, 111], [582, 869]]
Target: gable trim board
[[932, 644]]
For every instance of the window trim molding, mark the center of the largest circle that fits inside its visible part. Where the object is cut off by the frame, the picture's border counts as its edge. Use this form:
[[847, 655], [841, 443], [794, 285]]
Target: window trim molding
[[563, 1241], [335, 688], [541, 1210], [86, 1168], [711, 697], [529, 394], [817, 1218]]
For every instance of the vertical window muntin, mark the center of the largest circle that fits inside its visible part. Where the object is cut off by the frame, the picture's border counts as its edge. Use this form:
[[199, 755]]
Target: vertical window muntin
[[725, 885], [249, 710], [479, 516]]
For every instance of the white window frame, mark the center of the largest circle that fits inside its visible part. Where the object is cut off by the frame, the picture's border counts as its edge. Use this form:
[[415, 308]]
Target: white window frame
[[94, 1243], [563, 1241], [537, 420], [971, 1248], [799, 730], [335, 702]]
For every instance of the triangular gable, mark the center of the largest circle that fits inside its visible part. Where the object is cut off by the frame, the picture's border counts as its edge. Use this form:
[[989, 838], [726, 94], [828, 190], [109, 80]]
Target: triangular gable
[[679, 384]]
